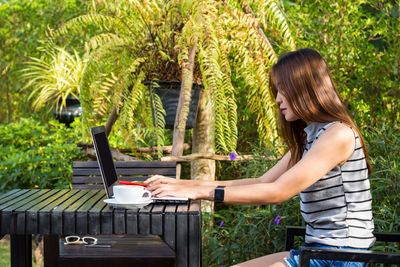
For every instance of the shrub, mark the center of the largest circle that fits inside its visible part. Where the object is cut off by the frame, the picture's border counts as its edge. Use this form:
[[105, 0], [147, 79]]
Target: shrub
[[384, 148], [36, 155]]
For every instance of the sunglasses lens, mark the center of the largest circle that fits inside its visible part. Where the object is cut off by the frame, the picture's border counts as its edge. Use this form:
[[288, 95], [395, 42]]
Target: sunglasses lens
[[90, 240], [71, 239]]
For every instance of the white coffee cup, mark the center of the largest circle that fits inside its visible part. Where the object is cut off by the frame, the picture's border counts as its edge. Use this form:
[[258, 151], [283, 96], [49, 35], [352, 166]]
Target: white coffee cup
[[131, 193]]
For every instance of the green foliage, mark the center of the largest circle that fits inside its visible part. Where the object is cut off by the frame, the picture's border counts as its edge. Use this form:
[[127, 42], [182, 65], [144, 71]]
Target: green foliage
[[23, 25], [150, 40], [247, 232], [240, 233], [359, 40], [36, 156], [384, 148]]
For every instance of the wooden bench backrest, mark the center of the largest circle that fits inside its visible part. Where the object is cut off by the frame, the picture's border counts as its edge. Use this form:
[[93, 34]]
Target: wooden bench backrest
[[86, 174]]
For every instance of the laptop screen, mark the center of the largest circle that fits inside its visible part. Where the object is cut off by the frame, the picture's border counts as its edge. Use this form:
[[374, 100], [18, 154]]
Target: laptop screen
[[106, 163], [104, 158]]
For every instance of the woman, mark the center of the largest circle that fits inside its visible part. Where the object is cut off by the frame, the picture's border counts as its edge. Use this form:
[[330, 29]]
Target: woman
[[327, 163]]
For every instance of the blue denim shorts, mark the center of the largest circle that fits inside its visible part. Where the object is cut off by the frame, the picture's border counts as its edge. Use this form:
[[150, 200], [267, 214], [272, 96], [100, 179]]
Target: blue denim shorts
[[293, 261]]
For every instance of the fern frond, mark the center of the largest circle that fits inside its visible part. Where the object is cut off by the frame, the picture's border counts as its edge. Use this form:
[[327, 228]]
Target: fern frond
[[278, 24], [159, 120], [251, 62]]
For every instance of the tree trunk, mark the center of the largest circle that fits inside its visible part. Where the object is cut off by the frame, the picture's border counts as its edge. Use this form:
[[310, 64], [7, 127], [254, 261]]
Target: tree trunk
[[8, 93], [183, 108], [203, 142], [9, 108], [111, 120]]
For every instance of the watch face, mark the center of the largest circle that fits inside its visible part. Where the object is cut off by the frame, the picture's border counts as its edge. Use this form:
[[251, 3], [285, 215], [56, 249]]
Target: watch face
[[219, 194]]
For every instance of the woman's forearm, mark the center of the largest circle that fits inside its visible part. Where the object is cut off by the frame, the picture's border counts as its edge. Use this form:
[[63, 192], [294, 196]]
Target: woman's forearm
[[237, 182], [264, 193]]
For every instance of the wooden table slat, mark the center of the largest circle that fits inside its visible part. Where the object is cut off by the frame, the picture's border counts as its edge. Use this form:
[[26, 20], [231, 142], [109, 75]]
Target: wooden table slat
[[157, 219], [170, 225], [69, 201], [63, 196], [31, 218], [119, 221], [10, 193], [182, 236], [94, 216], [82, 213], [194, 240], [144, 220], [106, 218], [32, 212], [132, 222], [18, 223], [6, 213], [27, 200], [57, 223], [100, 205], [19, 197], [52, 197], [45, 226], [82, 200], [93, 201], [69, 215], [36, 201]]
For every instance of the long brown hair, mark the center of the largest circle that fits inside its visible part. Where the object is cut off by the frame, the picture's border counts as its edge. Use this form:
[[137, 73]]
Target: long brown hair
[[303, 78]]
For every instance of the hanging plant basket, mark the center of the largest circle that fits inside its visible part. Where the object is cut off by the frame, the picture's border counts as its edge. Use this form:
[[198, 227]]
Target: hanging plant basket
[[169, 92], [68, 113]]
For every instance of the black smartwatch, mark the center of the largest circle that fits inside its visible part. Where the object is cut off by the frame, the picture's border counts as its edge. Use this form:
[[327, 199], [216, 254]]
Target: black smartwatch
[[219, 194]]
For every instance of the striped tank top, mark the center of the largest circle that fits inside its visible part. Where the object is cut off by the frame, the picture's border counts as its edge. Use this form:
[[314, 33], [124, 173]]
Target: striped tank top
[[337, 208]]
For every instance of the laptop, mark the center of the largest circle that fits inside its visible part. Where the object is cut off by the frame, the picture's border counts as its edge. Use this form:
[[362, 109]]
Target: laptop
[[107, 167]]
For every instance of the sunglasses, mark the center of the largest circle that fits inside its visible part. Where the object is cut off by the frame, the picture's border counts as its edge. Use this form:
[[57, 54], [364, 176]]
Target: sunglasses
[[76, 240]]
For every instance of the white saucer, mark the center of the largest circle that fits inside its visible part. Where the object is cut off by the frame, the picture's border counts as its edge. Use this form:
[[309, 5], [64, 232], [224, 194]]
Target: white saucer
[[135, 205]]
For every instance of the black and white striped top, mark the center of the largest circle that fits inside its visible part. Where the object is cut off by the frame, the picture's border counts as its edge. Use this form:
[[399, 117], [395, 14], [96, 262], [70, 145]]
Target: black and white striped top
[[337, 208]]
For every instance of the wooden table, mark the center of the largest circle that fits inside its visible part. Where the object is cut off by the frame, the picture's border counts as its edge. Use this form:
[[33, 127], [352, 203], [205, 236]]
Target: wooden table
[[25, 212]]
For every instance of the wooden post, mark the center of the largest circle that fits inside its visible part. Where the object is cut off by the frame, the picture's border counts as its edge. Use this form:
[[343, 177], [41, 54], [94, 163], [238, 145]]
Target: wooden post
[[21, 250]]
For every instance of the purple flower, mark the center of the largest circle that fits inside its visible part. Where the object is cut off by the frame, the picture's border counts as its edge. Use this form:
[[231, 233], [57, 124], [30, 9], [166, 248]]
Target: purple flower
[[220, 225], [232, 156], [277, 220]]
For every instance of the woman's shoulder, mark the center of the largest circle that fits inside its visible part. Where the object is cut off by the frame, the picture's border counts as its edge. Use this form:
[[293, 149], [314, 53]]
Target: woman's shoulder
[[337, 140], [340, 135]]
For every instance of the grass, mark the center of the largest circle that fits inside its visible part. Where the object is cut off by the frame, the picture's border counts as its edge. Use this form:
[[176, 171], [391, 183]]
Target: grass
[[5, 253]]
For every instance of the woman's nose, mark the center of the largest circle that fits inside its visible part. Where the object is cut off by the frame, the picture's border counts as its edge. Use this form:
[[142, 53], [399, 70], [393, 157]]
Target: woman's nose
[[278, 98]]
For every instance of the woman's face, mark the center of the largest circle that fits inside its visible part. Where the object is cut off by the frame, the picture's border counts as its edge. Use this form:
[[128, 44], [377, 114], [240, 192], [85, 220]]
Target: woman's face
[[285, 108]]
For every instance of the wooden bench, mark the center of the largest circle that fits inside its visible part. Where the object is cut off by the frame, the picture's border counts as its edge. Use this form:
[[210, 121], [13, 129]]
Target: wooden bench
[[367, 256], [86, 174], [126, 250]]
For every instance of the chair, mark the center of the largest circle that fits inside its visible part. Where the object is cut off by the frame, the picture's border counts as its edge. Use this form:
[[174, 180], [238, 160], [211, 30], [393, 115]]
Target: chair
[[367, 256], [126, 250]]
